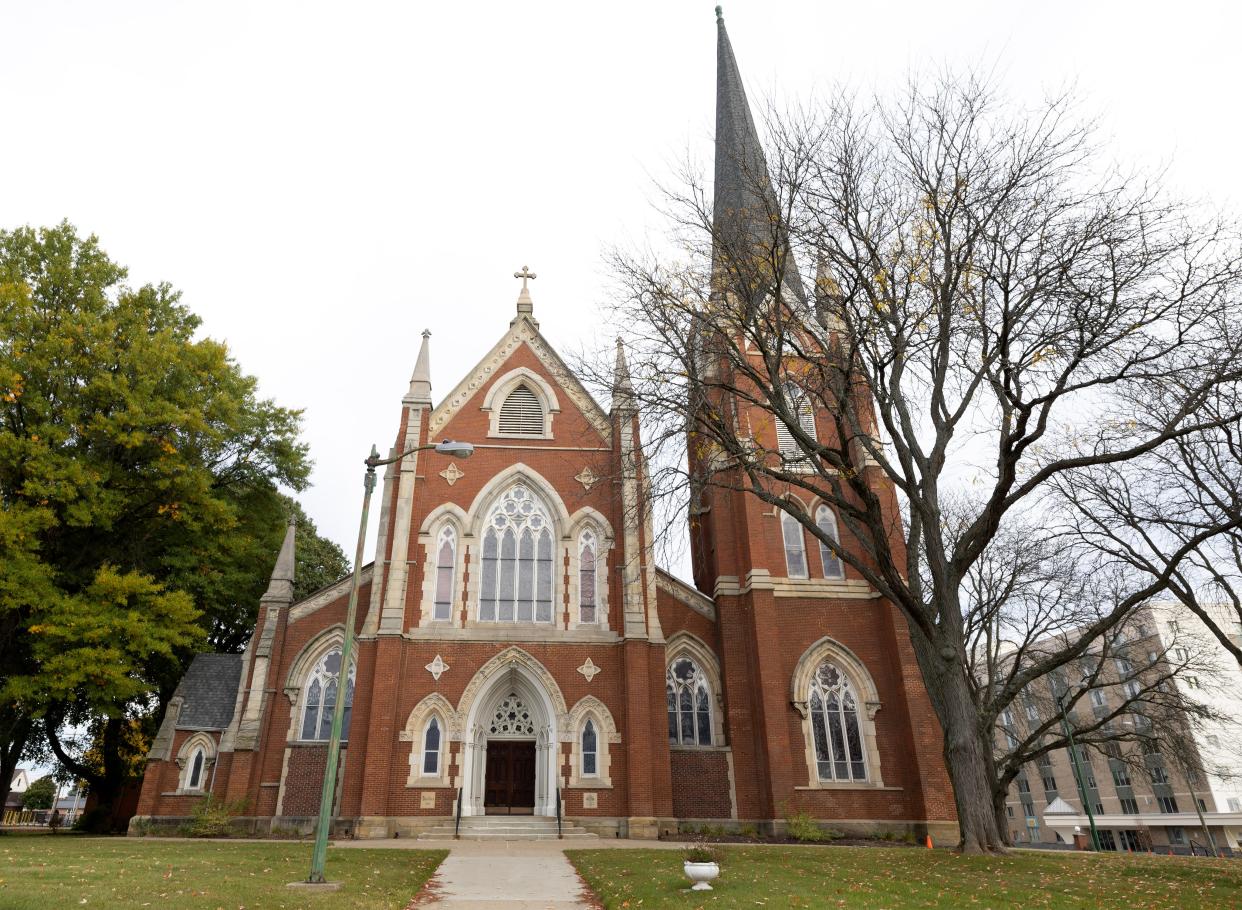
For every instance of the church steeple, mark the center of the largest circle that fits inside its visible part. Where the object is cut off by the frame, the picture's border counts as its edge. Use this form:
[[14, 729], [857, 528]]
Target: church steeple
[[744, 206]]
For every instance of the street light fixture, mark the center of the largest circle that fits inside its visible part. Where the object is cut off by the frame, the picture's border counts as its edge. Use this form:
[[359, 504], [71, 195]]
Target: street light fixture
[[320, 853]]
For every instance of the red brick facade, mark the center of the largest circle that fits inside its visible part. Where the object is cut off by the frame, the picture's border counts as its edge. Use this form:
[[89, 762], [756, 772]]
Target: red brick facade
[[749, 638]]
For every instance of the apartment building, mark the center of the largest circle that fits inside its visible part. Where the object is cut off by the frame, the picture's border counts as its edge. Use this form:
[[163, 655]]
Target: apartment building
[[1177, 788]]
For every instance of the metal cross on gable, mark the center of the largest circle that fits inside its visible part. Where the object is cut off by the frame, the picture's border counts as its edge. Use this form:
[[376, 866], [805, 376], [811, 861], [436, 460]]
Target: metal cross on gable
[[524, 274]]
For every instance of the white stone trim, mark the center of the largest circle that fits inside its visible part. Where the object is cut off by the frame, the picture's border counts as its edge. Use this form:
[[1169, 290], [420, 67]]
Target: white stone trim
[[762, 580], [325, 596], [185, 762], [687, 644], [828, 649], [685, 594], [521, 331], [500, 390], [605, 734], [415, 732]]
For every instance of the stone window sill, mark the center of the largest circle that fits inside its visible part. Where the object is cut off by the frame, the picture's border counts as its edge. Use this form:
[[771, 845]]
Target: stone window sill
[[847, 785], [688, 748]]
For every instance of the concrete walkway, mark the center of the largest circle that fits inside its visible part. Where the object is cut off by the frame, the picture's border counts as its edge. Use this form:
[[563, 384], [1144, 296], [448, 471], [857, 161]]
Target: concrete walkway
[[513, 875]]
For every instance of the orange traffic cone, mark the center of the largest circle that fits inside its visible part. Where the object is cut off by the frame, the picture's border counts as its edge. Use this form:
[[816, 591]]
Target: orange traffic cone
[[929, 842]]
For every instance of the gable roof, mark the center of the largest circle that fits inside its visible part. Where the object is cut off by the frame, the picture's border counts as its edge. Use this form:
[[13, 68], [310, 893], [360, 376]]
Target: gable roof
[[1060, 807], [522, 330], [208, 691]]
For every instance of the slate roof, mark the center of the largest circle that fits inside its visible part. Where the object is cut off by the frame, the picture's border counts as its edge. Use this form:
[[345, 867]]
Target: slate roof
[[209, 691]]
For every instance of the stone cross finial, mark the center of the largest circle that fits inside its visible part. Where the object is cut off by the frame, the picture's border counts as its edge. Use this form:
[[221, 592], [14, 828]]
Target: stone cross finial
[[524, 274]]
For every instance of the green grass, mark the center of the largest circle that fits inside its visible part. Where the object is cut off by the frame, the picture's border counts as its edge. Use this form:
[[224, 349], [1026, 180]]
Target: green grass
[[873, 877], [124, 873]]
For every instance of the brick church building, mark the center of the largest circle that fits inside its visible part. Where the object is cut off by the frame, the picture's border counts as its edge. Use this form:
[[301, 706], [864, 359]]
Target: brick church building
[[516, 641]]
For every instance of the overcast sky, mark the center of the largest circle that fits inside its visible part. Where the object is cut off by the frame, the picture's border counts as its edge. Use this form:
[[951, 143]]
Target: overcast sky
[[325, 180]]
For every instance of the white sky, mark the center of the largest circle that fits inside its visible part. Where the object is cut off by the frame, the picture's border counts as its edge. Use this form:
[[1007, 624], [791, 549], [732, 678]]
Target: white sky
[[323, 181]]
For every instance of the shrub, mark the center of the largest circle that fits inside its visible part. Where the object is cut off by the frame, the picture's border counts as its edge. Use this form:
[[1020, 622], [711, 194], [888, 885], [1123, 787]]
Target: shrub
[[212, 817], [802, 827]]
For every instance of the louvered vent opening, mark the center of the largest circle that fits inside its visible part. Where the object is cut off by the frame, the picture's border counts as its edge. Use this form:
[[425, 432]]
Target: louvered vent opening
[[785, 442], [521, 413]]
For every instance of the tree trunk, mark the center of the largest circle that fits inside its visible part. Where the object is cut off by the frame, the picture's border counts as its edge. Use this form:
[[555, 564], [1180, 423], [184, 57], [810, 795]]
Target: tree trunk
[[965, 756], [16, 733], [967, 752]]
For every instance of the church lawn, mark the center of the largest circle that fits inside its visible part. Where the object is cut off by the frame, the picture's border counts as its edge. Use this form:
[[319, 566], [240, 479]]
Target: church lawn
[[874, 877], [121, 873]]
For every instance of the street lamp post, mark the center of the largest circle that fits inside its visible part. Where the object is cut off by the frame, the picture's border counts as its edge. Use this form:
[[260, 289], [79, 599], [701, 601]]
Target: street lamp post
[[320, 853], [1082, 787]]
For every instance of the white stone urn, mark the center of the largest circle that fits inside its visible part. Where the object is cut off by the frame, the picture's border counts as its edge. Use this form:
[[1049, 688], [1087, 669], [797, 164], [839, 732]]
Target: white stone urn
[[701, 874]]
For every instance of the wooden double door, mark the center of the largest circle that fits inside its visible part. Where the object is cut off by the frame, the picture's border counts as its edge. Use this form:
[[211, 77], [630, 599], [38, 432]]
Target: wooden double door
[[510, 785]]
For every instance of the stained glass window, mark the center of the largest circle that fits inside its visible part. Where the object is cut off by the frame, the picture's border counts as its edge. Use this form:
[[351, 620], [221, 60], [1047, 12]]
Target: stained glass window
[[689, 704], [835, 724], [321, 689], [516, 568]]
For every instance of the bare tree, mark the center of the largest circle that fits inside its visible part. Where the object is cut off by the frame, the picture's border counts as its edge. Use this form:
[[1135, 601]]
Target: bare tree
[[990, 306]]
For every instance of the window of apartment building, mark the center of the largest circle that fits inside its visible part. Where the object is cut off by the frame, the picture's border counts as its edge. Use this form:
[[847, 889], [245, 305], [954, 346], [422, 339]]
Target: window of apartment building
[[1181, 654], [1176, 835], [1168, 804], [1010, 739], [1028, 808], [1107, 842], [1132, 688], [1152, 657], [1130, 840], [1202, 804], [1129, 805], [1121, 776], [1024, 785], [1009, 811], [1007, 717], [1032, 712], [1124, 667], [1045, 760], [1158, 776], [1141, 630], [1050, 784], [1173, 626], [1099, 808], [1192, 682], [1098, 698]]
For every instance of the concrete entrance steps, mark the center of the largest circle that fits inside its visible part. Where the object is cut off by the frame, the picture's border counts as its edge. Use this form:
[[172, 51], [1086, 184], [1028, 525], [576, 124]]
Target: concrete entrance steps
[[507, 827]]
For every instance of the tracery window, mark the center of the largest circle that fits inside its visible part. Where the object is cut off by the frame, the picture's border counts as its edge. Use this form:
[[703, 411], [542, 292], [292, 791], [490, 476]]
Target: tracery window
[[431, 748], [587, 578], [512, 718], [321, 693], [795, 546], [827, 522], [834, 722], [446, 560], [800, 402], [521, 414], [516, 570], [195, 780], [590, 750], [689, 704]]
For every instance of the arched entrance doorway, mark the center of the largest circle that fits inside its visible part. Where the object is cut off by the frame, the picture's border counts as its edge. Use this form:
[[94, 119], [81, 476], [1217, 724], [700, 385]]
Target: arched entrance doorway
[[511, 738]]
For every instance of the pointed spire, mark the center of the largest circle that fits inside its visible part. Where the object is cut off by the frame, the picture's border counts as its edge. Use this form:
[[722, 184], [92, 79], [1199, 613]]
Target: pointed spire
[[743, 202], [420, 382], [622, 387], [280, 588]]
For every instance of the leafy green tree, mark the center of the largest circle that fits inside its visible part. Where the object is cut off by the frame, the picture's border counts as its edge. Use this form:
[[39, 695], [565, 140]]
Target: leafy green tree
[[40, 794], [139, 476]]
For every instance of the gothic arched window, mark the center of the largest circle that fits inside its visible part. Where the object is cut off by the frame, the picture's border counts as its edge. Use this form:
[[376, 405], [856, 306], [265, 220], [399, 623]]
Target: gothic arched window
[[321, 691], [195, 780], [516, 569], [587, 578], [827, 522], [446, 560], [590, 750], [521, 414], [795, 546], [689, 704], [834, 721], [800, 403], [431, 748]]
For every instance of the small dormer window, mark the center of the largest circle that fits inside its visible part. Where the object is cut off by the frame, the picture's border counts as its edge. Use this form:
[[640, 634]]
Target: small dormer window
[[522, 414]]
